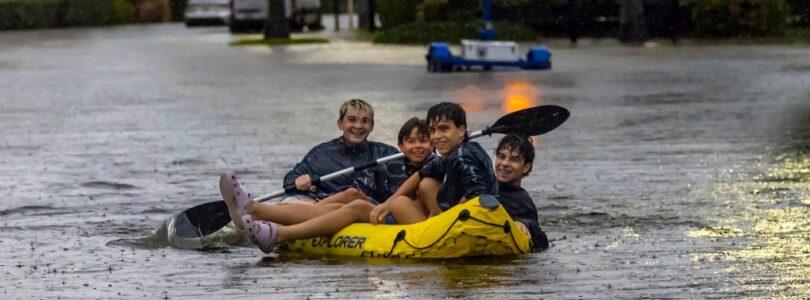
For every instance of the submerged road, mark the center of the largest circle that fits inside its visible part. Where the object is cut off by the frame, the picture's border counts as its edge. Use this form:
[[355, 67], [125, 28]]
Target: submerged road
[[683, 172]]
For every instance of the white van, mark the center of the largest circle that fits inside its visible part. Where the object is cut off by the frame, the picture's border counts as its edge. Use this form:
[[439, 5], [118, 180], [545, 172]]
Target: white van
[[203, 12], [249, 15]]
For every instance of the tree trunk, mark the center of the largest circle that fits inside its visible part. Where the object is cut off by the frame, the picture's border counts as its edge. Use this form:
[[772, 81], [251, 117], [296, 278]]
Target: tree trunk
[[632, 28], [276, 25]]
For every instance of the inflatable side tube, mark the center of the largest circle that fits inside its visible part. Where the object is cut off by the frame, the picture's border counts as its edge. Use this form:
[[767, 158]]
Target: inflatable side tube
[[479, 227]]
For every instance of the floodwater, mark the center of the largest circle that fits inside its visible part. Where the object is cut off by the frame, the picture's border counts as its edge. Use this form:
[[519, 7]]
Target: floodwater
[[683, 172]]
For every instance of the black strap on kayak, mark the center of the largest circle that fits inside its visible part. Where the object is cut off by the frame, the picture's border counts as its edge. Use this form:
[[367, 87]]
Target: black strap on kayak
[[506, 229], [400, 237], [440, 237]]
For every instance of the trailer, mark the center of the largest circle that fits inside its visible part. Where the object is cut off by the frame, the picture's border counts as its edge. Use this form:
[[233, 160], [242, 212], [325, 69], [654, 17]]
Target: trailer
[[486, 53]]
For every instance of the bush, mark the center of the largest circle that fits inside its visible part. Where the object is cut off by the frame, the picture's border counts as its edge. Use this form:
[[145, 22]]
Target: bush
[[800, 11], [728, 18], [86, 12], [23, 14], [150, 11], [453, 32], [396, 12], [38, 14], [449, 11], [123, 12]]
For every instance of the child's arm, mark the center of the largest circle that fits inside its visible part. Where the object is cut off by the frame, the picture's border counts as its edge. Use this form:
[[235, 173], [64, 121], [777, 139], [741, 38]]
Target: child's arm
[[407, 188]]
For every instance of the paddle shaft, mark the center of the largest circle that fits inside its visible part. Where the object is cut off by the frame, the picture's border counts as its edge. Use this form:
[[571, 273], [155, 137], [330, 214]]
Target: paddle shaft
[[349, 170]]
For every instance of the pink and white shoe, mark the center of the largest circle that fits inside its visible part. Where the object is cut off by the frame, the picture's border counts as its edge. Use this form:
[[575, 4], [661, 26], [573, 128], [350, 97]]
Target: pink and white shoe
[[260, 233], [237, 200]]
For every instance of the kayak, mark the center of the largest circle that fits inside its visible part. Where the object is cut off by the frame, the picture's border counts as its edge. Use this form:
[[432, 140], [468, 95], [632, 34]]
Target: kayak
[[479, 227]]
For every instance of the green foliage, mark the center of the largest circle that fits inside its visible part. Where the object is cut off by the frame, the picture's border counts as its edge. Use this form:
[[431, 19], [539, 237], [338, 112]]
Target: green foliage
[[471, 10], [123, 12], [448, 11], [727, 18], [177, 7], [41, 13], [87, 12], [800, 12], [453, 32], [22, 14], [396, 12]]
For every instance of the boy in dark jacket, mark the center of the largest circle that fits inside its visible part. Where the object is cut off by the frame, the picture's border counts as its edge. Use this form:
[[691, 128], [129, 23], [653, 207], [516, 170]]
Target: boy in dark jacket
[[356, 120], [464, 172], [513, 161]]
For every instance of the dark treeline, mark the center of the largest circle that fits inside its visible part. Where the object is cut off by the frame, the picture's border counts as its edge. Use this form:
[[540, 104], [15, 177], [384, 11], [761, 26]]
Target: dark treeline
[[626, 19]]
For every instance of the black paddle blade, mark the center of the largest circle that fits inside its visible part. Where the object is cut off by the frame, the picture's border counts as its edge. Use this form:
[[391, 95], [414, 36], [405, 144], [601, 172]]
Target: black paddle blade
[[202, 220], [531, 121]]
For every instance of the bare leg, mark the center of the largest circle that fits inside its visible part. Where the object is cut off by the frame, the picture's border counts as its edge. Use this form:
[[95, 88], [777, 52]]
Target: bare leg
[[292, 213], [407, 211], [427, 194], [345, 197], [298, 199], [356, 211]]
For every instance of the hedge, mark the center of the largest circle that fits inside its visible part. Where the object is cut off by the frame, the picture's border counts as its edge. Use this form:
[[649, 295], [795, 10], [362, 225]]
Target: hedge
[[25, 14], [727, 18], [394, 13], [452, 32]]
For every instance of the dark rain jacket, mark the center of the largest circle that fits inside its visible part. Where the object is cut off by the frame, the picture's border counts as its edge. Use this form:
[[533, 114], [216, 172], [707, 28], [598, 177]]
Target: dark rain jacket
[[336, 155], [395, 174], [521, 208], [466, 172]]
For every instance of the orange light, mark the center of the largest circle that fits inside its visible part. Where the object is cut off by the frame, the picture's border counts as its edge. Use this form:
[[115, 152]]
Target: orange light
[[519, 95]]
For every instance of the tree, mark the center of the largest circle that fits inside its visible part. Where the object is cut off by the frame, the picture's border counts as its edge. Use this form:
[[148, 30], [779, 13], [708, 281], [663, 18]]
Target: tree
[[632, 28], [276, 25]]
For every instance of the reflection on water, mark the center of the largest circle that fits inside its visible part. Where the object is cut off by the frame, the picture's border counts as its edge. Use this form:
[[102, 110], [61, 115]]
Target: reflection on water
[[774, 220], [520, 95], [512, 97]]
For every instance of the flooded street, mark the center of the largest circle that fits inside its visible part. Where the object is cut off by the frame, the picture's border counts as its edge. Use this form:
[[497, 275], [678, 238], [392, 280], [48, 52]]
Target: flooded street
[[683, 172]]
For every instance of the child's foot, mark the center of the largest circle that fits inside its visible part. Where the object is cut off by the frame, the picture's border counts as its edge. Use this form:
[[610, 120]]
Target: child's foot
[[237, 200], [262, 234]]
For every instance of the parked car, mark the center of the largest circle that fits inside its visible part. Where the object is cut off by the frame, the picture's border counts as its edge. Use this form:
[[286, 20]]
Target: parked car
[[249, 15], [207, 12]]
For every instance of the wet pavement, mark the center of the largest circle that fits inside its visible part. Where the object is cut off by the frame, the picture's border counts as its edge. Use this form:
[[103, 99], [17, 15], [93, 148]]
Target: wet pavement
[[683, 172]]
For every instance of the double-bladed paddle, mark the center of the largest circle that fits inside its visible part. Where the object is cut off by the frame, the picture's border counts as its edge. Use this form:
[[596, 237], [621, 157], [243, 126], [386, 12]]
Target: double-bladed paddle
[[207, 218]]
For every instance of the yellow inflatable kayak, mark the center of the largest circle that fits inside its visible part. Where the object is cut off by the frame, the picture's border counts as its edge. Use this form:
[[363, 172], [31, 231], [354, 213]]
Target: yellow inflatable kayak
[[479, 227]]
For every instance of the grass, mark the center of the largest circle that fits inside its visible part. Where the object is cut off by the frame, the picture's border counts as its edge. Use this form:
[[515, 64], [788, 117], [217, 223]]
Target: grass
[[279, 42]]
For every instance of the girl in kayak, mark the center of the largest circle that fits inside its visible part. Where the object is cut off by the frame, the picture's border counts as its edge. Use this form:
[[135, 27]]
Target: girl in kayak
[[465, 168]]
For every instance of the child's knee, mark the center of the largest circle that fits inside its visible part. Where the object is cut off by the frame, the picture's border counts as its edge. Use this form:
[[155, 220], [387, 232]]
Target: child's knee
[[401, 200], [429, 183], [354, 193], [359, 206]]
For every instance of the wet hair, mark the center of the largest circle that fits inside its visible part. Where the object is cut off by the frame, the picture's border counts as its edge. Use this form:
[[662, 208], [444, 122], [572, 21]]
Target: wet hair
[[521, 144], [447, 110], [405, 131], [357, 104]]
